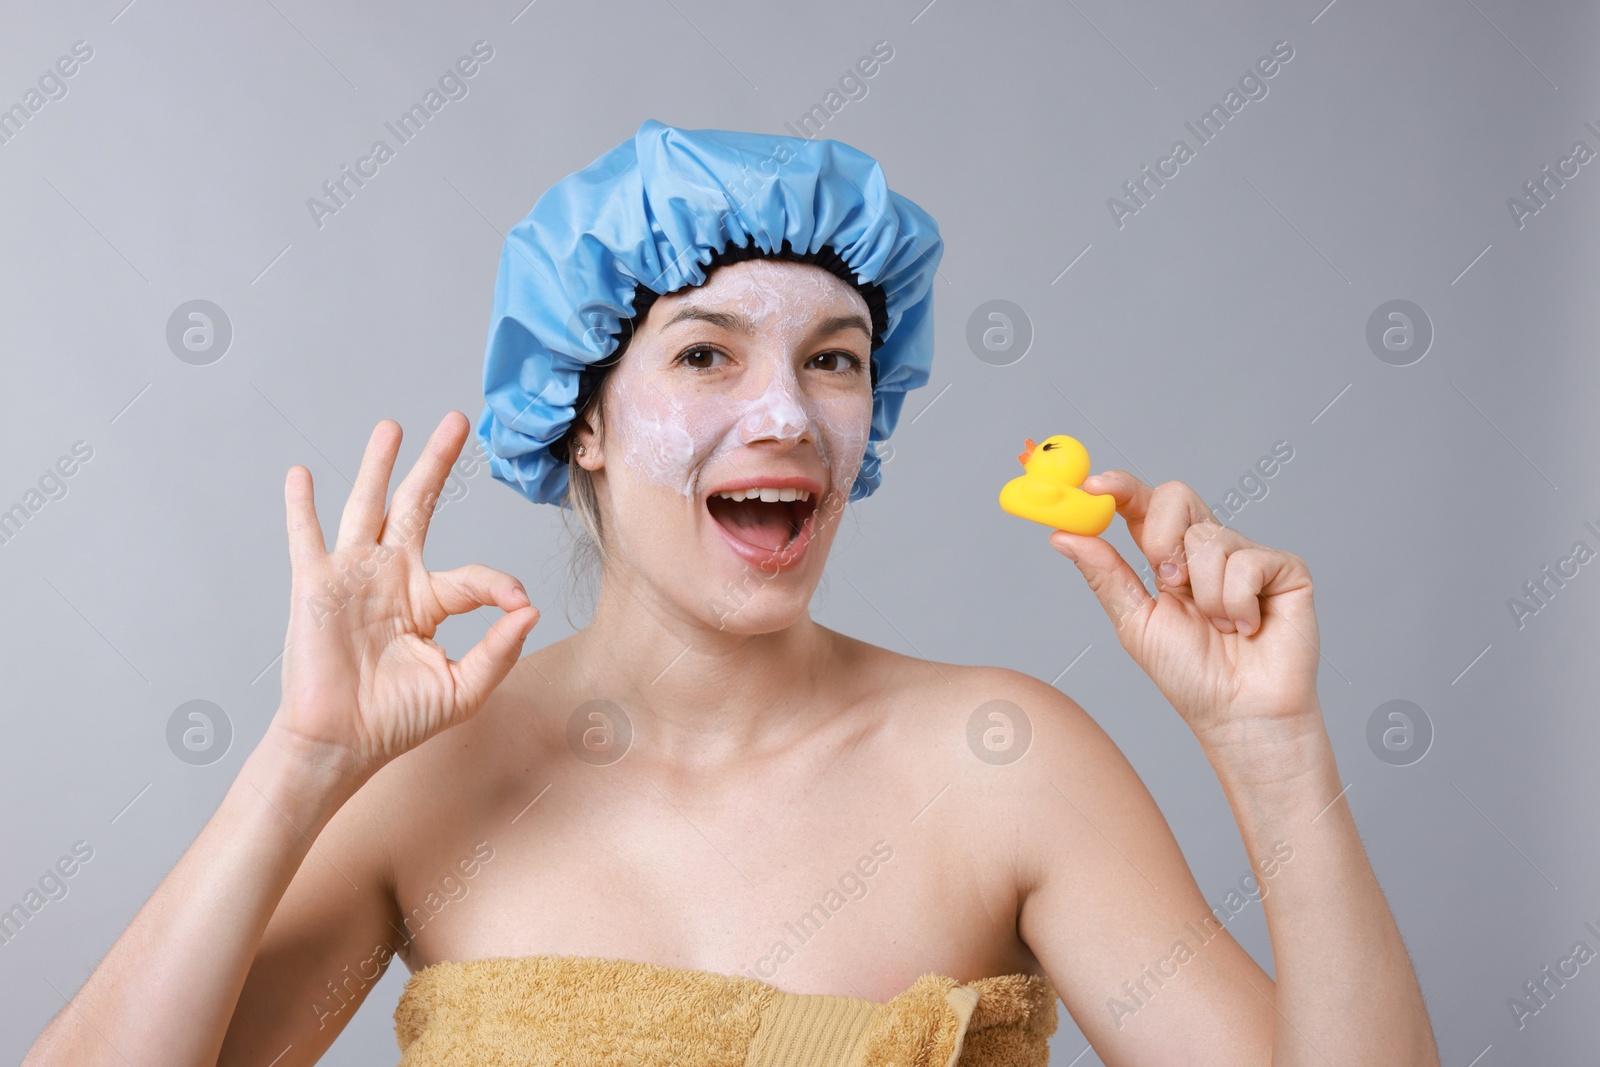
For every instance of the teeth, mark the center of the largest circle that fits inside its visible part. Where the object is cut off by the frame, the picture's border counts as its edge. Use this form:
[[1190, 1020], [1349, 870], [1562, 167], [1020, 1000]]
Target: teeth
[[766, 494]]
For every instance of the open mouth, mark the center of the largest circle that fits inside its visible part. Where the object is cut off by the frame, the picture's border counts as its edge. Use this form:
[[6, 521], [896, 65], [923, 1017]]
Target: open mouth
[[763, 518]]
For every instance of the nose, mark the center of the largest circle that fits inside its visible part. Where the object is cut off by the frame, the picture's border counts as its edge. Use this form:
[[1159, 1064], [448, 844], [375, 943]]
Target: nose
[[777, 414]]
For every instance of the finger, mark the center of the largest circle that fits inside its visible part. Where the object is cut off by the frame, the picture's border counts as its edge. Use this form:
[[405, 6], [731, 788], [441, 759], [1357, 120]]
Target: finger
[[1243, 582], [412, 510], [1131, 494], [1208, 549], [473, 586], [1257, 574], [1157, 518], [305, 529], [363, 511], [1113, 582], [488, 662]]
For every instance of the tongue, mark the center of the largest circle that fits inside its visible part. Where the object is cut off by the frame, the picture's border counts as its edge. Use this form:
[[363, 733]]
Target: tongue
[[764, 524]]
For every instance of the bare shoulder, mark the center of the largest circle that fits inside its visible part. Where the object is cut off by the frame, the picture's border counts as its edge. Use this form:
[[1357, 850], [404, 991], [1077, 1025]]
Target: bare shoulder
[[1024, 756], [996, 716], [1012, 740], [1095, 879]]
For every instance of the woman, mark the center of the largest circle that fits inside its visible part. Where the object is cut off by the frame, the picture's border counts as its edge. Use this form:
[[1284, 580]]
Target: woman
[[705, 828]]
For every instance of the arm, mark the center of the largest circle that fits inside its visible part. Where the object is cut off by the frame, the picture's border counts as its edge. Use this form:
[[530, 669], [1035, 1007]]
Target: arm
[[328, 943], [1231, 641], [1346, 990], [1112, 912], [167, 989], [243, 937]]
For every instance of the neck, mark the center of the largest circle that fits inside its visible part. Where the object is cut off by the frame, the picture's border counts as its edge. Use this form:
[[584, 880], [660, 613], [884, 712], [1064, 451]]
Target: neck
[[698, 694]]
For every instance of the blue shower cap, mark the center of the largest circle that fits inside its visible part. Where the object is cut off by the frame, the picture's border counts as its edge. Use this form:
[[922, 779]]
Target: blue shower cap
[[654, 212]]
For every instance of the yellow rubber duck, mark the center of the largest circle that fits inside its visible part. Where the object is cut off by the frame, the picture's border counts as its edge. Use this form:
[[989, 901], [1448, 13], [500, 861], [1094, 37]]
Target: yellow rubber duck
[[1048, 493]]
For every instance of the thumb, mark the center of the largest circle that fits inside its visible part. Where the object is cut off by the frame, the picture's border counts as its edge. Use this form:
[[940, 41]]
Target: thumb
[[488, 662], [1113, 582]]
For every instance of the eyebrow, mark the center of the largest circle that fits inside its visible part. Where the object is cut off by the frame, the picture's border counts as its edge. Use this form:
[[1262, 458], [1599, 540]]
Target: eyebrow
[[730, 320]]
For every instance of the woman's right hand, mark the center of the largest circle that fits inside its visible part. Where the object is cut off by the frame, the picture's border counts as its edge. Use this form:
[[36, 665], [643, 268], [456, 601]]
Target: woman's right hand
[[363, 680]]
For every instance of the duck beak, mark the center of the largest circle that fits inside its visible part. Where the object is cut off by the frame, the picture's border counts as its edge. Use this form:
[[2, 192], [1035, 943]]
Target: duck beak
[[1027, 450]]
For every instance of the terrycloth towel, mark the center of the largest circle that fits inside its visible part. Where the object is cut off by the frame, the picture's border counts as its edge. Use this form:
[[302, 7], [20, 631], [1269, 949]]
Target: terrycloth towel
[[533, 1011]]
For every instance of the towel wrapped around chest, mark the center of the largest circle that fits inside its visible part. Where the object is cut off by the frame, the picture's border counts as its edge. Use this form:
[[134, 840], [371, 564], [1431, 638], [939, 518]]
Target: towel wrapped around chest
[[533, 1011]]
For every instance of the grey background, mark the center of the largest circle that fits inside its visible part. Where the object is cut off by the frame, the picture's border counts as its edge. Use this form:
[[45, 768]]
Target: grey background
[[1230, 313]]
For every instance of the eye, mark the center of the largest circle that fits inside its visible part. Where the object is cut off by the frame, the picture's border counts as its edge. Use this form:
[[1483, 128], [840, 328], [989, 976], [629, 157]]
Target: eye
[[697, 357], [1048, 445], [830, 361]]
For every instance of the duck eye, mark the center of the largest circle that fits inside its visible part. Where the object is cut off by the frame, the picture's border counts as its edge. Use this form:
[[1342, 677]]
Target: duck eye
[[1048, 445]]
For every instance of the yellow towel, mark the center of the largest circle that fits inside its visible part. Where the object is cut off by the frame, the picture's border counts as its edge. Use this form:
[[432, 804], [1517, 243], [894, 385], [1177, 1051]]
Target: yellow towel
[[532, 1011]]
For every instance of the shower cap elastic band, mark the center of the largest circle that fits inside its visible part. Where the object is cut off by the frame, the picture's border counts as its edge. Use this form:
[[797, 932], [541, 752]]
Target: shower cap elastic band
[[652, 216]]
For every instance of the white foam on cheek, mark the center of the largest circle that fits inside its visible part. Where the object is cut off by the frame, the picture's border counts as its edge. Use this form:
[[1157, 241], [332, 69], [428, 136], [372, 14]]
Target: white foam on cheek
[[656, 438], [847, 433]]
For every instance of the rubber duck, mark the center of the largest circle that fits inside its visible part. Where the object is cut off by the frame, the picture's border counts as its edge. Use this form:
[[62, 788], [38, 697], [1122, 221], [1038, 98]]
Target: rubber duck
[[1048, 493]]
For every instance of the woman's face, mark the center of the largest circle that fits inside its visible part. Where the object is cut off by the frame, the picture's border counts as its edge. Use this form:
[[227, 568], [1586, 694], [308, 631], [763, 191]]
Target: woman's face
[[756, 380]]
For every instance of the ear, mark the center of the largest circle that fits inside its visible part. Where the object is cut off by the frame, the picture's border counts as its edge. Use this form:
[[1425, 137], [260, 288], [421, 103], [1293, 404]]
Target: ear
[[587, 431]]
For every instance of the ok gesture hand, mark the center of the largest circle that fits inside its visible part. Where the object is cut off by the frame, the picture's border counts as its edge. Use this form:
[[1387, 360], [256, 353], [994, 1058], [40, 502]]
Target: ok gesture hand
[[363, 680]]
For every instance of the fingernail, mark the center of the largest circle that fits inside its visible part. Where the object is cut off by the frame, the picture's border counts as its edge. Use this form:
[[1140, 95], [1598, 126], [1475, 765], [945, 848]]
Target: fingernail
[[1169, 571], [518, 595]]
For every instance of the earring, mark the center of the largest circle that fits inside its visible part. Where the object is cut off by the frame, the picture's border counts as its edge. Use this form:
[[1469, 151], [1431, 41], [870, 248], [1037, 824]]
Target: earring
[[581, 449]]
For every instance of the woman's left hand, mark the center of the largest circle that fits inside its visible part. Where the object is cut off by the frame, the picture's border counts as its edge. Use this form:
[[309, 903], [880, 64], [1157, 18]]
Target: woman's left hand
[[1231, 636]]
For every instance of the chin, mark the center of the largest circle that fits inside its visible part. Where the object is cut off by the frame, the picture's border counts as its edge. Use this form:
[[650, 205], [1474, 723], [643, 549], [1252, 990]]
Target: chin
[[745, 598], [762, 612]]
